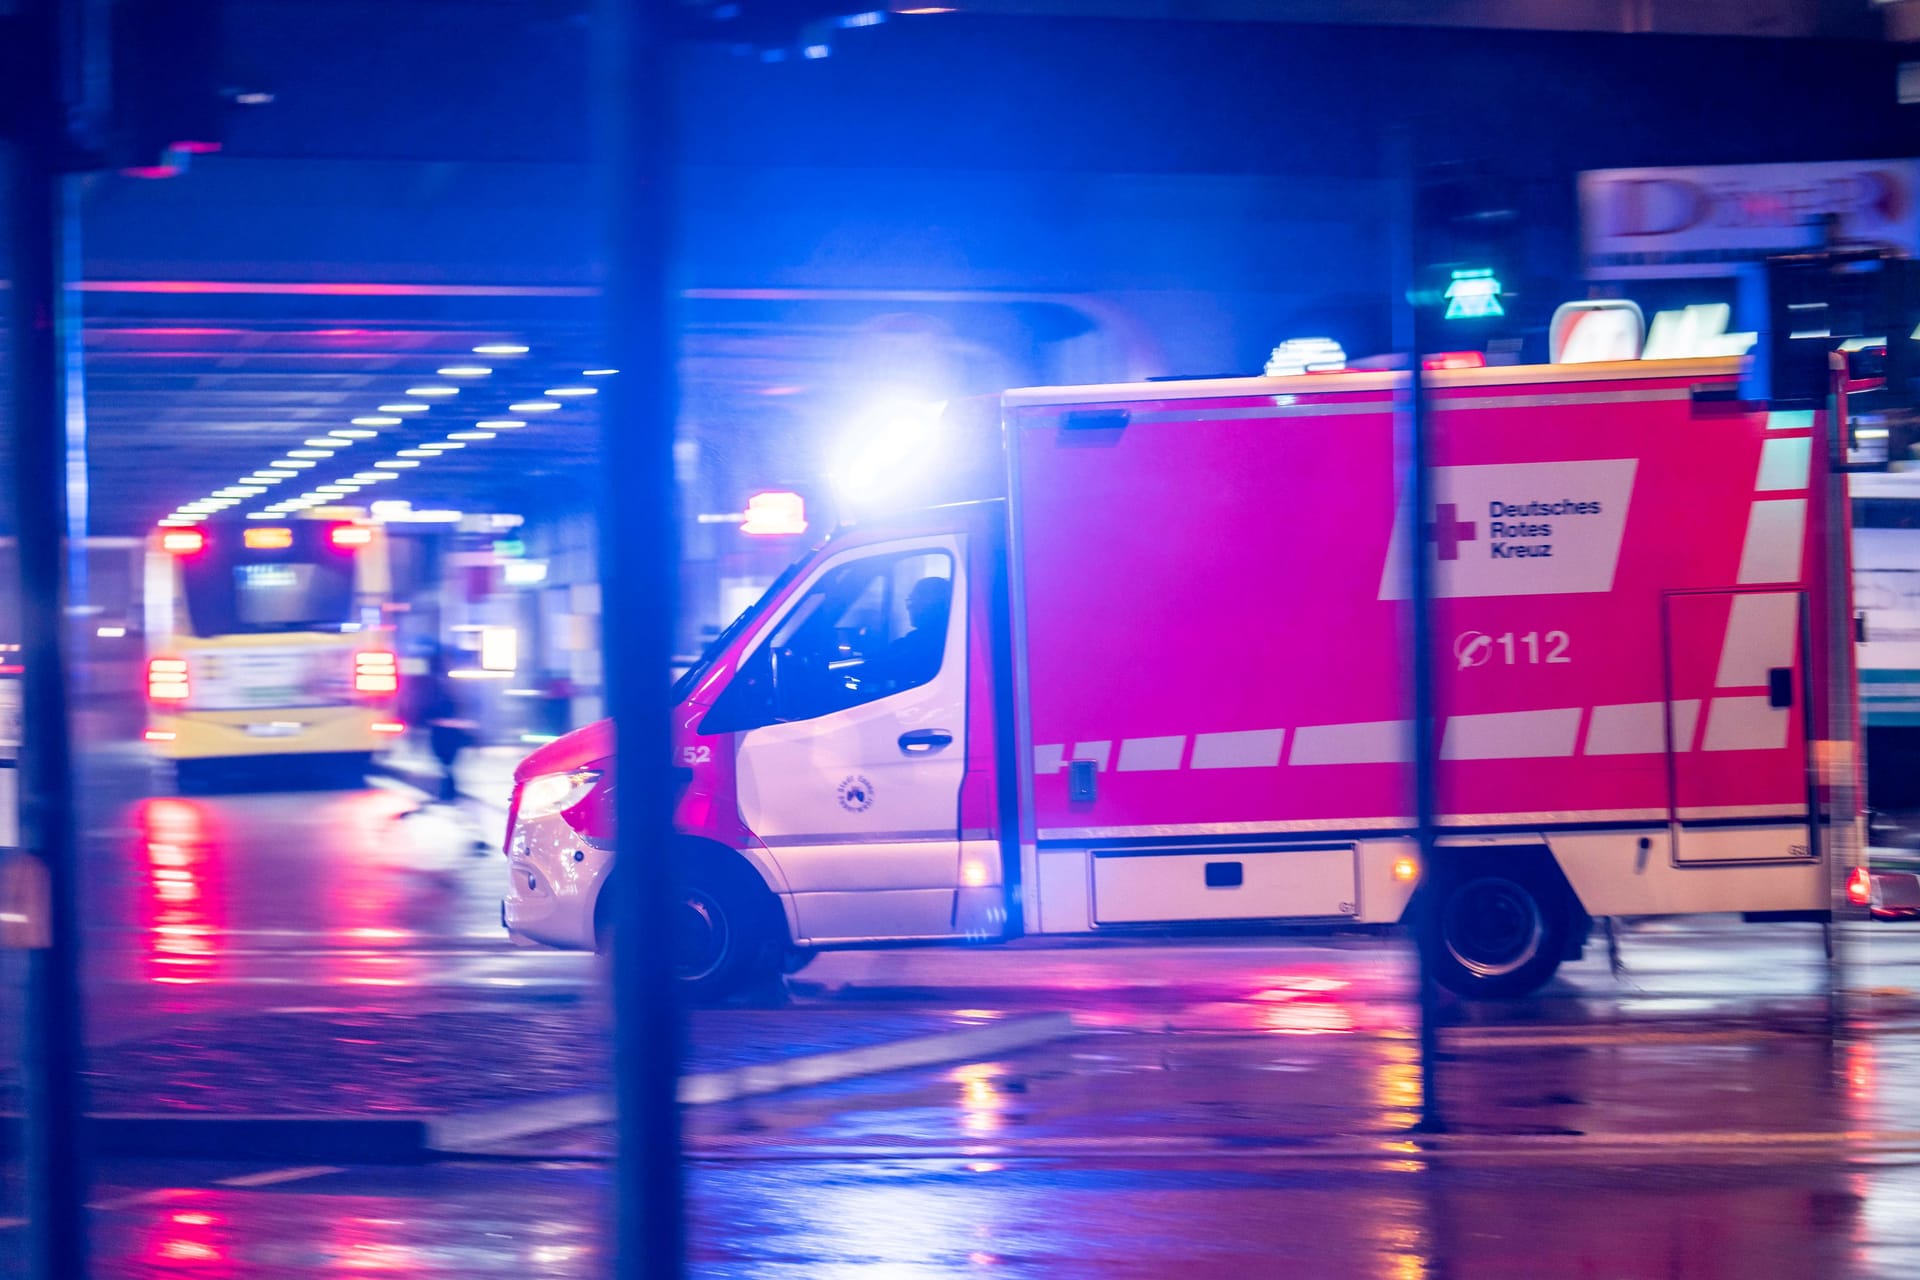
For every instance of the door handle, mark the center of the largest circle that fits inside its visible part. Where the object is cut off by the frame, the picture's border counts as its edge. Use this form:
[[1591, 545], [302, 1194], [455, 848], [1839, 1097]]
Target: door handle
[[1780, 687], [924, 742]]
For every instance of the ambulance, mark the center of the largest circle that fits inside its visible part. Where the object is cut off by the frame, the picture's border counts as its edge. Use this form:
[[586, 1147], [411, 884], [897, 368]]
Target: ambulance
[[1152, 678]]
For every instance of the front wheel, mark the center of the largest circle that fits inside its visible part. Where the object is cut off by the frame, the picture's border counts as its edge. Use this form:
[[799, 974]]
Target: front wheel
[[1498, 930], [727, 932]]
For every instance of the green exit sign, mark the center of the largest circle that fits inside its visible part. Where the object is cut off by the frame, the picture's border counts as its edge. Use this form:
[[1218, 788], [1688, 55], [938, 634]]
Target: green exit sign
[[1474, 294]]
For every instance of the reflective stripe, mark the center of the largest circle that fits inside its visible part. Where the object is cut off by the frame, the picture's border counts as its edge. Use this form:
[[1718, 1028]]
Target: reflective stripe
[[1784, 463], [1744, 724], [1368, 742], [1247, 749], [1098, 752], [1790, 420], [1148, 755], [1511, 735], [1640, 728], [1776, 530], [1760, 637]]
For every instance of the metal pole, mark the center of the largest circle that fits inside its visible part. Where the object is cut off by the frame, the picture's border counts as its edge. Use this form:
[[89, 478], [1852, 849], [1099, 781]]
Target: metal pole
[[41, 232], [1840, 759], [1415, 450], [639, 569]]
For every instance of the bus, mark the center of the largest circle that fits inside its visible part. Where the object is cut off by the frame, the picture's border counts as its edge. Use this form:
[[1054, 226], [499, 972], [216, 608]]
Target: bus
[[270, 641]]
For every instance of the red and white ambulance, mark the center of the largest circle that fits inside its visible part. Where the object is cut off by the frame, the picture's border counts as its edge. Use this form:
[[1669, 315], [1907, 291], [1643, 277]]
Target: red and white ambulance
[[1161, 682]]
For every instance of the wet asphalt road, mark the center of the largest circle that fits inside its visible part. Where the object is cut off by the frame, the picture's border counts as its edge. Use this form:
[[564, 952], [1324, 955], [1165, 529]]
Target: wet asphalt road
[[1233, 1108]]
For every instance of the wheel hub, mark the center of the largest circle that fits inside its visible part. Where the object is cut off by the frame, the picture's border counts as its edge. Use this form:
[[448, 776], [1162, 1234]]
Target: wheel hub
[[702, 936], [1493, 926]]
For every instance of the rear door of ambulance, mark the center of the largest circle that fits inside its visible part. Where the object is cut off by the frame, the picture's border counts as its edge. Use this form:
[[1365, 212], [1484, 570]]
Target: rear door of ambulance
[[1626, 568]]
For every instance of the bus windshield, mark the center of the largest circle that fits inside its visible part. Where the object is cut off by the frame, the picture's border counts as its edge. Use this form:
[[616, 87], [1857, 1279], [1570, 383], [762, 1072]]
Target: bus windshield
[[304, 585]]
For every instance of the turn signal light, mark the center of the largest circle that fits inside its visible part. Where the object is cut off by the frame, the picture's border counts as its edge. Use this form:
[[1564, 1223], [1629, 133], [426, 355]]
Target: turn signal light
[[376, 671], [183, 542], [1405, 869], [1859, 887], [167, 680]]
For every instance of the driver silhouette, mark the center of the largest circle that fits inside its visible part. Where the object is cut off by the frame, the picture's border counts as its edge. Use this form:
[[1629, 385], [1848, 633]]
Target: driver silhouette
[[915, 657]]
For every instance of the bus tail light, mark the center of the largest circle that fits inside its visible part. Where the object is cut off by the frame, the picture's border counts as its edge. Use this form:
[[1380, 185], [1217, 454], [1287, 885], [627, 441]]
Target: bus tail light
[[167, 680], [376, 672], [346, 537], [1859, 887]]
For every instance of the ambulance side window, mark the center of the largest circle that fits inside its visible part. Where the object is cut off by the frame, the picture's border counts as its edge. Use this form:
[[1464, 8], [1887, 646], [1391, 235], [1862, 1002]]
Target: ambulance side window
[[868, 628]]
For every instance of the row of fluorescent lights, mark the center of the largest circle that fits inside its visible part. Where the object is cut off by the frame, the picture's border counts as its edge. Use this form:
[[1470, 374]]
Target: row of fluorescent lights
[[367, 427]]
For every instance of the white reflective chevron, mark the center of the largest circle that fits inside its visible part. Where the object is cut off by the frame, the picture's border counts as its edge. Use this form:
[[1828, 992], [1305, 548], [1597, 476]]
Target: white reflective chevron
[[1245, 749]]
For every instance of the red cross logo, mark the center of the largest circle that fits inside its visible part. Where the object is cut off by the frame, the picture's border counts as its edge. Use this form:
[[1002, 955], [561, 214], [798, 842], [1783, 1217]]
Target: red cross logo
[[1448, 531]]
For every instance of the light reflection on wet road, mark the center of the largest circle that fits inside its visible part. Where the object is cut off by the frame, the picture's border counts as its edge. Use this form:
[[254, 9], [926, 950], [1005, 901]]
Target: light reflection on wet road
[[1233, 1108]]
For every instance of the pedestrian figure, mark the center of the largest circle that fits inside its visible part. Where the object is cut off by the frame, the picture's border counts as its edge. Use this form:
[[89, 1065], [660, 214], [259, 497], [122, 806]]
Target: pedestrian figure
[[449, 732]]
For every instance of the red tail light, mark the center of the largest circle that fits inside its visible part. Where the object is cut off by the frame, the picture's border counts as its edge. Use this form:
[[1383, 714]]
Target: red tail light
[[183, 542], [167, 680], [1859, 887], [376, 672], [345, 537], [1455, 360]]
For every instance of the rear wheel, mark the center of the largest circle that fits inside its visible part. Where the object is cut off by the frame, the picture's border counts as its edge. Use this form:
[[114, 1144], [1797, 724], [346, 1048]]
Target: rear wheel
[[1500, 927]]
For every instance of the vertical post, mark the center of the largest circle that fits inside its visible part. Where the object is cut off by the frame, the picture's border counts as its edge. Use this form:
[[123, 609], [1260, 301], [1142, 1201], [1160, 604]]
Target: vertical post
[[1841, 759], [639, 568], [56, 1177], [1417, 496]]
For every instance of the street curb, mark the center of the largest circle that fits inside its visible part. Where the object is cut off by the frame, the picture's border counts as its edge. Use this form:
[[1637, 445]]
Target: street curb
[[309, 1139], [415, 1139], [476, 1133]]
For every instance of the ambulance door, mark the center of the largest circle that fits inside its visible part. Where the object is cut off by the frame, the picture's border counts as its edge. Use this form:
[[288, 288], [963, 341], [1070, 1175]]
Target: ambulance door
[[1737, 722], [850, 768]]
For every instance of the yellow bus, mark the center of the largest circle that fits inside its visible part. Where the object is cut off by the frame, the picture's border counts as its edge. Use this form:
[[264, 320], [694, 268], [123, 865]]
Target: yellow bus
[[270, 641]]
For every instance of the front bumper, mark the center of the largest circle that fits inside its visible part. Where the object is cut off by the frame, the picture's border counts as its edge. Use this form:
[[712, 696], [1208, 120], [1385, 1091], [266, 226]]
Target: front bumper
[[554, 877]]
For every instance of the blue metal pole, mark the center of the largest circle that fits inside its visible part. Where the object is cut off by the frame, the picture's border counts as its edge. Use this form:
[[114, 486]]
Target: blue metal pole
[[42, 234], [639, 571]]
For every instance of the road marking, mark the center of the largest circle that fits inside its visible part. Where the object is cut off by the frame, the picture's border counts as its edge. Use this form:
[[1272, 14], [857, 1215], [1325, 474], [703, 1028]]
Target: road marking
[[274, 1177]]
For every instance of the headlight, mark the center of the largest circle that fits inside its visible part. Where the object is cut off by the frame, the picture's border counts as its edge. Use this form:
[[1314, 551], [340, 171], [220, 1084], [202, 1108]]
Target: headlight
[[553, 792]]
